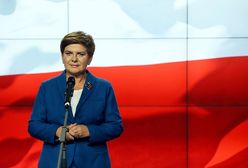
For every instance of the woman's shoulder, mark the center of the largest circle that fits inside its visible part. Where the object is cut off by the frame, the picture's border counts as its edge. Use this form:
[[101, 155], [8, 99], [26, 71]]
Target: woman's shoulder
[[103, 81], [98, 80], [54, 79]]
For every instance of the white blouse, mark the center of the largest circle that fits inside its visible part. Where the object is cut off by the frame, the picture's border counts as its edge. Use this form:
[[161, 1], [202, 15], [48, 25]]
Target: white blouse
[[75, 99]]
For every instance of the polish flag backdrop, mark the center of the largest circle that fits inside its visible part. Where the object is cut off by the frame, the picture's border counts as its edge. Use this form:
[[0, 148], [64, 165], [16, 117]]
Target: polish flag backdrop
[[178, 68]]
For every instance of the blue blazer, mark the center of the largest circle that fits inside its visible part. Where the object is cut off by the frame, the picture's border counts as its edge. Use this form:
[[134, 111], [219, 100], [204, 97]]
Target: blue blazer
[[97, 108]]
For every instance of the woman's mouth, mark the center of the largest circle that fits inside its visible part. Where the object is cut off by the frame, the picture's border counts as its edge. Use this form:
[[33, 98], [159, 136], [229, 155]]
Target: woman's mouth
[[74, 66]]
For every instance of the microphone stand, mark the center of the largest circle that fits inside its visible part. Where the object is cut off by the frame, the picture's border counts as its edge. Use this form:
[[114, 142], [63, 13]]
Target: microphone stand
[[62, 139]]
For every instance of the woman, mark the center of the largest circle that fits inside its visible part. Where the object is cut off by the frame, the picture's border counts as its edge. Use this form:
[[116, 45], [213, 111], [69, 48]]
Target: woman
[[93, 118]]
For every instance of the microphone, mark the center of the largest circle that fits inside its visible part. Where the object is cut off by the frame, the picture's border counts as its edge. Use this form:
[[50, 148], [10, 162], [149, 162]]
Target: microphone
[[69, 91]]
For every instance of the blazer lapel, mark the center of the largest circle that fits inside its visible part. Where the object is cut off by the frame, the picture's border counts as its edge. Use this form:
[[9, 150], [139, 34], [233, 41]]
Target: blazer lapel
[[88, 89]]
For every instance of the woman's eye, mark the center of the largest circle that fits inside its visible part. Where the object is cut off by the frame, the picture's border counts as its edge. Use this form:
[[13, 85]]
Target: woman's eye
[[68, 53], [81, 54]]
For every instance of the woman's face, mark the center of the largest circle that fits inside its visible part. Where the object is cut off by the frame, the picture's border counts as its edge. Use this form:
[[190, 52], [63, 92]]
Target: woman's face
[[75, 59]]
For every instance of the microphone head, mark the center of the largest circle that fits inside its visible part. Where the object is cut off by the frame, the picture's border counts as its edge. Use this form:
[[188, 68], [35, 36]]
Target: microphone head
[[69, 91], [71, 81]]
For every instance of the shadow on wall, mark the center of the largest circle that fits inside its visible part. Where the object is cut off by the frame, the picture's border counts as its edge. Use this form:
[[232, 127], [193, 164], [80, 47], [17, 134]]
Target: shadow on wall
[[146, 14], [31, 58], [7, 7]]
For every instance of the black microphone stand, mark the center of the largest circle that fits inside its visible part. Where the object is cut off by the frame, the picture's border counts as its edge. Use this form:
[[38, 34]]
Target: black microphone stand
[[62, 139]]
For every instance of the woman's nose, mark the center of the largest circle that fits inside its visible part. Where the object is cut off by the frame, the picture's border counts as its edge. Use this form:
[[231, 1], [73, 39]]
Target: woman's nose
[[74, 57]]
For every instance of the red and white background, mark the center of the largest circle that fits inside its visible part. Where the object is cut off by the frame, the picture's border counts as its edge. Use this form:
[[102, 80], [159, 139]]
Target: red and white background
[[179, 69]]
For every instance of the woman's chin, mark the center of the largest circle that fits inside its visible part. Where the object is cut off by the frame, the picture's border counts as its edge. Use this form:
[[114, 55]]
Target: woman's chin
[[75, 72]]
